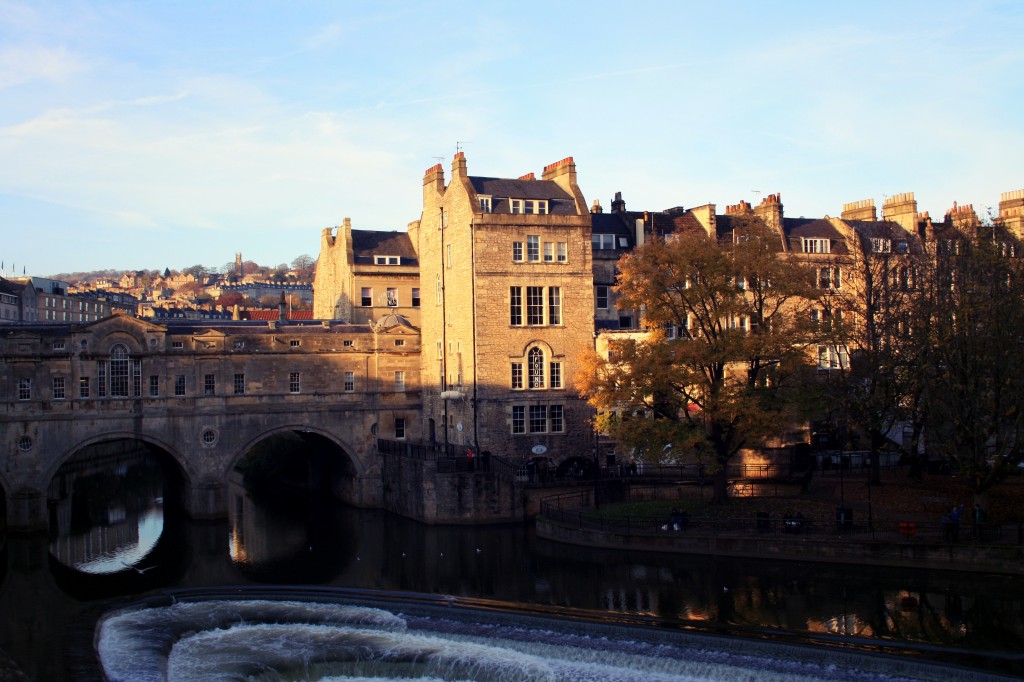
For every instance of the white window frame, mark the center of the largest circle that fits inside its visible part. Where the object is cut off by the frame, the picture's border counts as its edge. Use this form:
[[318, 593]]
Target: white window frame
[[881, 245], [816, 245], [533, 248], [387, 260], [349, 379], [399, 381], [485, 204]]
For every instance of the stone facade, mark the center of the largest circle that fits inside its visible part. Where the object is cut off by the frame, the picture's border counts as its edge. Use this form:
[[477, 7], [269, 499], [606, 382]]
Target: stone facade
[[507, 268], [363, 275], [204, 393]]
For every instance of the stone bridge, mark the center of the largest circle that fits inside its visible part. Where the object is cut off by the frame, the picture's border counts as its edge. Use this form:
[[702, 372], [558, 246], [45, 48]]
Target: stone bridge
[[204, 394]]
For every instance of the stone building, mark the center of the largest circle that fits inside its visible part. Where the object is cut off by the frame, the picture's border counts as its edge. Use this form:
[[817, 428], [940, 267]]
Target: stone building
[[507, 264], [362, 275]]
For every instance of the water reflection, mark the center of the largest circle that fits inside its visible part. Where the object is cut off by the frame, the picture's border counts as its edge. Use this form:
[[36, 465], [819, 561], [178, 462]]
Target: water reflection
[[106, 507], [304, 540]]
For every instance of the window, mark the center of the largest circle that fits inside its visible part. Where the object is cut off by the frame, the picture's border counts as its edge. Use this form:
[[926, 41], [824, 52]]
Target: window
[[563, 252], [833, 357], [816, 245], [239, 384], [533, 248], [439, 290], [515, 305], [534, 305], [346, 343], [535, 361], [58, 345], [83, 387], [554, 305], [829, 278], [415, 297], [602, 242], [24, 389], [518, 419], [399, 342], [549, 252], [154, 385], [119, 362], [440, 351], [880, 245], [538, 418], [517, 252], [177, 345], [625, 322], [399, 381], [556, 418], [210, 384], [58, 388], [601, 296], [294, 386], [179, 385], [387, 260], [366, 297], [517, 375], [485, 204], [530, 206], [555, 372], [294, 343], [350, 382], [400, 427], [392, 296], [136, 378], [516, 205]]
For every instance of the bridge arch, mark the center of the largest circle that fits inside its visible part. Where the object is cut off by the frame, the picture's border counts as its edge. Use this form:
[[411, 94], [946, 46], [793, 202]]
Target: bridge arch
[[334, 464]]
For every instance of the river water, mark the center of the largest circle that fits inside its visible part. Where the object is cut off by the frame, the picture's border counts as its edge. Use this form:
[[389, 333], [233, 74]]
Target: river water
[[295, 587]]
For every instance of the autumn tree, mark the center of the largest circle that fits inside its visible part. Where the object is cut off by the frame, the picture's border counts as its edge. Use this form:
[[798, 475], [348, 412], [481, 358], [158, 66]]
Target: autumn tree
[[726, 351], [975, 386]]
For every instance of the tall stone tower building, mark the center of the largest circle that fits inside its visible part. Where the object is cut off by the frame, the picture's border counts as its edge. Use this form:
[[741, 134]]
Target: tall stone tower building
[[508, 303]]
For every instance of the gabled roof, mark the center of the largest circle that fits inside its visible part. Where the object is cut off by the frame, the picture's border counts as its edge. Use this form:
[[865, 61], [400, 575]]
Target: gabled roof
[[501, 190], [369, 243]]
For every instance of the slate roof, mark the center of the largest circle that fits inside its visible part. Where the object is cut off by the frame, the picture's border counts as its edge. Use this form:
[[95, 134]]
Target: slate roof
[[501, 190], [369, 243], [796, 229]]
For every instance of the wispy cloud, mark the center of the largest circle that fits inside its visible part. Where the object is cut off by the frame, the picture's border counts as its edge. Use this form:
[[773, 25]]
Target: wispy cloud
[[24, 64]]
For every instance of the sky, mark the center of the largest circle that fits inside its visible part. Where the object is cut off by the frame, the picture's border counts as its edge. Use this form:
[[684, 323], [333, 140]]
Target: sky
[[145, 135]]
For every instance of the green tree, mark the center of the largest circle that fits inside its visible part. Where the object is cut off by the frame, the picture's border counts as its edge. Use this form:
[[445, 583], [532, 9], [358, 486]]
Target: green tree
[[732, 375]]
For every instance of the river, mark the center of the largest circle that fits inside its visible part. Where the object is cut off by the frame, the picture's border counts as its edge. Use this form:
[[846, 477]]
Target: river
[[114, 541]]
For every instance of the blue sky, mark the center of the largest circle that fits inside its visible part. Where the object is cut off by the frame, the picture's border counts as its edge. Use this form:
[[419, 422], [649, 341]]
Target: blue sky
[[166, 134]]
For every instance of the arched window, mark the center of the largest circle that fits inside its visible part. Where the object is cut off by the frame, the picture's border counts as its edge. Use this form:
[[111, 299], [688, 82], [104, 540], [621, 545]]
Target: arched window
[[535, 363], [119, 371]]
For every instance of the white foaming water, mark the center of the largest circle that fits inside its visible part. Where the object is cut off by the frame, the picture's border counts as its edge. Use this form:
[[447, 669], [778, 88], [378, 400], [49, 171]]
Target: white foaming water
[[288, 640]]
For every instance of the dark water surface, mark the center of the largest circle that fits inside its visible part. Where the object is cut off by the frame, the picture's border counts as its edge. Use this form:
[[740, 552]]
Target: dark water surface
[[114, 539]]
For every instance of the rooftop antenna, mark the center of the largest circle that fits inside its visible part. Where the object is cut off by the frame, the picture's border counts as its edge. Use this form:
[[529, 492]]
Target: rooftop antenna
[[459, 143]]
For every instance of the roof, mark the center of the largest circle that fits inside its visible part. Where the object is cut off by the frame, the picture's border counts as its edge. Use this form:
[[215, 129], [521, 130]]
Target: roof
[[369, 243], [813, 228], [265, 314], [501, 190]]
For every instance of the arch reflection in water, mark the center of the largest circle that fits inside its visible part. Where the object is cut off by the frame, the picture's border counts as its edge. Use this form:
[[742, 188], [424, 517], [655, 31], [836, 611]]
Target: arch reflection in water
[[106, 507], [284, 640]]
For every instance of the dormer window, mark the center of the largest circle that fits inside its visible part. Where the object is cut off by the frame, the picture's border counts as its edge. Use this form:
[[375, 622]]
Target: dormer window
[[485, 204], [816, 245], [880, 245], [387, 260], [602, 242], [529, 206]]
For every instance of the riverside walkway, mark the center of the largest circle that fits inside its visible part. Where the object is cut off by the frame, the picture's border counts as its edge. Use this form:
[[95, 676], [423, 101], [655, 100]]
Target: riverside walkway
[[886, 540]]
